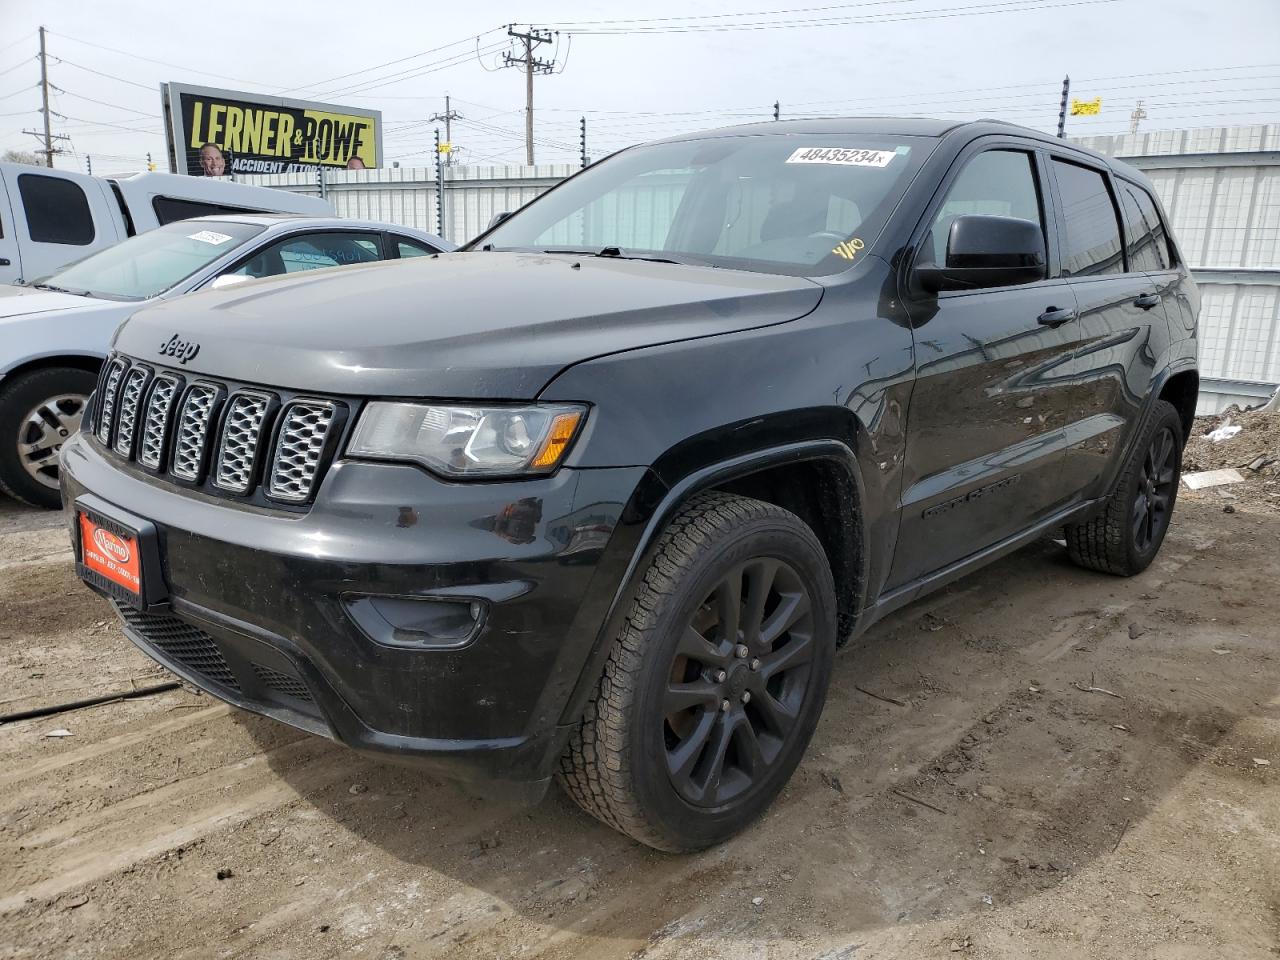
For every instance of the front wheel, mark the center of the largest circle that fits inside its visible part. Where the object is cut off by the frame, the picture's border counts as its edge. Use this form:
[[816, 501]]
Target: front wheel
[[39, 411], [715, 682], [1125, 536]]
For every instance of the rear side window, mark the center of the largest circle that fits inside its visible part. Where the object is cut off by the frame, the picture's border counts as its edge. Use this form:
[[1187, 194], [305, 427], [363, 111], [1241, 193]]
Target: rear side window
[[57, 210], [1145, 240], [411, 248], [169, 209], [997, 183], [1090, 230]]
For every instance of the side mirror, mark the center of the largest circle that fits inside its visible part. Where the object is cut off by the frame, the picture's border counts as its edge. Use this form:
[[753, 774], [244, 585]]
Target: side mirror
[[987, 252], [228, 280], [497, 219]]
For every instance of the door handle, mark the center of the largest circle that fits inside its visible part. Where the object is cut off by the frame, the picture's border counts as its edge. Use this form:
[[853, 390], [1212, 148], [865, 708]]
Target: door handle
[[1147, 301], [1056, 316], [4, 261]]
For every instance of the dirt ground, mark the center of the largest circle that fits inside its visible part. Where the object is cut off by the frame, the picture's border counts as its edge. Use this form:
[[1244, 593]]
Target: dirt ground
[[999, 808]]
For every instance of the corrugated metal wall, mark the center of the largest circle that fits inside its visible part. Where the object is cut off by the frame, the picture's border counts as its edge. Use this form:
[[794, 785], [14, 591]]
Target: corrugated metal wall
[[1221, 188]]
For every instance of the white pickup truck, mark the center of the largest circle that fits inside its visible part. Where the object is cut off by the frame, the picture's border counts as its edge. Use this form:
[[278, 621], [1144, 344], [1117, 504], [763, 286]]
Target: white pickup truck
[[50, 218]]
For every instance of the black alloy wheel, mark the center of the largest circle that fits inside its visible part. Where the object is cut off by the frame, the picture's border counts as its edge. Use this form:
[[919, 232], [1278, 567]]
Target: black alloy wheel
[[740, 675], [1152, 507]]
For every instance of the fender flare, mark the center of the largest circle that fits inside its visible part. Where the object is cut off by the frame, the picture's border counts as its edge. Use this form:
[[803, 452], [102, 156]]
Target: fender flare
[[657, 503]]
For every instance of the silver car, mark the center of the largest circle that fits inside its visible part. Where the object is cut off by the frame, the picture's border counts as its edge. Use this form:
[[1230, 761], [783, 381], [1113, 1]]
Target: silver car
[[55, 332]]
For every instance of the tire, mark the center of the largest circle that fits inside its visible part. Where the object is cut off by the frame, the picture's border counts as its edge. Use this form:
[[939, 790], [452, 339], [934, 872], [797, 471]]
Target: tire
[[39, 411], [1125, 535], [679, 693]]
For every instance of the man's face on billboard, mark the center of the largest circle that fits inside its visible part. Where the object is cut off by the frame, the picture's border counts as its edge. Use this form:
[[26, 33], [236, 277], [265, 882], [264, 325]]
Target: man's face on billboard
[[212, 162]]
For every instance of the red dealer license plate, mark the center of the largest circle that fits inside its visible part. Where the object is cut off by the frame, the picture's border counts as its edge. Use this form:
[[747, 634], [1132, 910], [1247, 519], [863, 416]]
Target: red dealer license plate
[[112, 554]]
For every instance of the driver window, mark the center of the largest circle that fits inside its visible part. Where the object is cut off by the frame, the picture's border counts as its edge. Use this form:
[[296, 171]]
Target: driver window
[[997, 183]]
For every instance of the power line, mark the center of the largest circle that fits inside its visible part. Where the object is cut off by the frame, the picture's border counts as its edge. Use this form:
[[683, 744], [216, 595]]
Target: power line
[[982, 9], [164, 63], [109, 76], [149, 114], [20, 63], [412, 73], [392, 63]]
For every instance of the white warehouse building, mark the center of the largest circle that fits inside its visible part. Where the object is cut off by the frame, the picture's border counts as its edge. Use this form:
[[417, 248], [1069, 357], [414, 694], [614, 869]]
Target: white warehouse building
[[1221, 189]]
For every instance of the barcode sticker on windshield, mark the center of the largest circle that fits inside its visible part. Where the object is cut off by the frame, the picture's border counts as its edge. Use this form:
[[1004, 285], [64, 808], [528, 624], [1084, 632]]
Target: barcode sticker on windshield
[[208, 236], [846, 156]]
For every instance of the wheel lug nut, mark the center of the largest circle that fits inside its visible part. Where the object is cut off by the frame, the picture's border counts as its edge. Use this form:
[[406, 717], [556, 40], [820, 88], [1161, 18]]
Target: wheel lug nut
[[721, 676], [746, 696], [740, 651], [724, 705], [755, 664]]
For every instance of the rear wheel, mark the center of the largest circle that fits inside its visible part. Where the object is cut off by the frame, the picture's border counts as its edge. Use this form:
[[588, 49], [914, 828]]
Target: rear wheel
[[715, 683], [1125, 536], [39, 411]]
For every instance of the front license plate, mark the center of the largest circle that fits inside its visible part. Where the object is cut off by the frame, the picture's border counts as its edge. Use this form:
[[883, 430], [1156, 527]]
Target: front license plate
[[111, 551]]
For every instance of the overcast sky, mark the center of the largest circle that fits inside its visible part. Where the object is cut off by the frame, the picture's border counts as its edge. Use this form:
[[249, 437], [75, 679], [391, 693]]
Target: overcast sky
[[1194, 64]]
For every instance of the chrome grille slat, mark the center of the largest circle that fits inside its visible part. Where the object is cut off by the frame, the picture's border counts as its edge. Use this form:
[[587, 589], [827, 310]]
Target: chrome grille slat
[[107, 399], [233, 440], [295, 462], [241, 435], [130, 401], [193, 431], [155, 425]]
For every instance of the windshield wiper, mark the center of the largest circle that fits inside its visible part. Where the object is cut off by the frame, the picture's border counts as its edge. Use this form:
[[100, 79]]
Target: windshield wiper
[[617, 253], [50, 286]]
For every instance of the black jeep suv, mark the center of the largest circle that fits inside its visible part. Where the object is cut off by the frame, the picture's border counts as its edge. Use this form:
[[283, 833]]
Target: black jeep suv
[[598, 497]]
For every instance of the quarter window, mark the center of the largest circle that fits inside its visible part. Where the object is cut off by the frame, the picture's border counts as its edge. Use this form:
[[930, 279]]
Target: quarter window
[[1090, 230], [1145, 240], [57, 210], [410, 248], [997, 183]]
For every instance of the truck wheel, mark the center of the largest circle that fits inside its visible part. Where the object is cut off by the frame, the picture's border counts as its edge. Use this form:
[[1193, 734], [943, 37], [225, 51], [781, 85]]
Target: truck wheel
[[714, 684], [39, 411], [1125, 535]]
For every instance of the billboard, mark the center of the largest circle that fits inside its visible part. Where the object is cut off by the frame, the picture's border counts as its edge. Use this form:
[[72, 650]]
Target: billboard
[[213, 133]]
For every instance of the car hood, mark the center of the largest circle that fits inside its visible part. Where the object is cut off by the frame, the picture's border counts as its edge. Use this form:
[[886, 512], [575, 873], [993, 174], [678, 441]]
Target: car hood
[[18, 302], [473, 325]]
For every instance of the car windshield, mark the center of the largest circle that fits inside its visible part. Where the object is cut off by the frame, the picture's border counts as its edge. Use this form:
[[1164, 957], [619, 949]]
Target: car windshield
[[796, 204], [147, 265]]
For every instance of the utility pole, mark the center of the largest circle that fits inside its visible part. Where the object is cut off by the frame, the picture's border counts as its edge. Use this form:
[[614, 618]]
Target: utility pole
[[583, 137], [448, 117], [44, 97], [1136, 117], [777, 109], [1062, 110], [531, 66]]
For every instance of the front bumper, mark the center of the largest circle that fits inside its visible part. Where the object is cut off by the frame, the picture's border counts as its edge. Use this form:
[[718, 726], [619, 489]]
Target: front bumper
[[259, 608]]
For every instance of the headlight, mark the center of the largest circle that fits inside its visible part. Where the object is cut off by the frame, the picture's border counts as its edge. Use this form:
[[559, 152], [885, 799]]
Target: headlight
[[468, 441]]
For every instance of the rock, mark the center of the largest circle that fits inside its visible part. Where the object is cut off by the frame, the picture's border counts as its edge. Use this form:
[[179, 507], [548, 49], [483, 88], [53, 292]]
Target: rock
[[225, 873], [954, 766], [1259, 762], [989, 791], [757, 901], [59, 733], [357, 788], [1228, 509], [1136, 631]]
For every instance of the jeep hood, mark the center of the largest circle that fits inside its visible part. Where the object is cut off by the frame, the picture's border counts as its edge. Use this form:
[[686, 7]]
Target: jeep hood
[[464, 325]]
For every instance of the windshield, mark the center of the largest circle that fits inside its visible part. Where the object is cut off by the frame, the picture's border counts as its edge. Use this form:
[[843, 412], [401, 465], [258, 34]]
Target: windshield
[[796, 204], [151, 263]]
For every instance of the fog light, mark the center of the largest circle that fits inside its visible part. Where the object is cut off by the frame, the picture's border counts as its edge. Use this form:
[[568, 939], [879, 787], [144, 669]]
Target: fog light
[[424, 623]]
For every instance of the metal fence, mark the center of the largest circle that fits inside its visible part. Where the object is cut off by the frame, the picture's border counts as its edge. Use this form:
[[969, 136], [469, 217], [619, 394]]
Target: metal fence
[[407, 195], [1220, 185], [1221, 188]]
